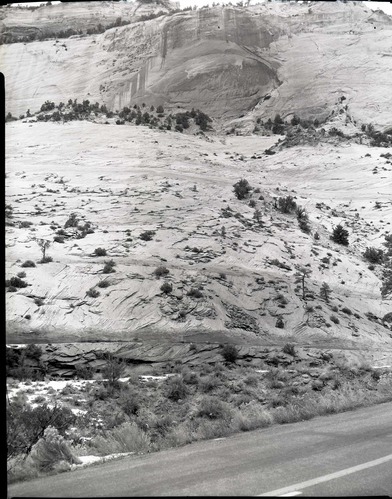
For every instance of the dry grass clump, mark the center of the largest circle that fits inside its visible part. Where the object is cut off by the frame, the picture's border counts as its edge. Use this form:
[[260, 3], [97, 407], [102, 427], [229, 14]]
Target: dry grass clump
[[208, 383], [176, 389], [213, 408], [127, 437]]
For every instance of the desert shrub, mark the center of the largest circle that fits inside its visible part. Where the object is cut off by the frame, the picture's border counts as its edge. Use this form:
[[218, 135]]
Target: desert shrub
[[147, 235], [195, 293], [230, 353], [130, 402], [109, 267], [286, 204], [25, 426], [334, 319], [113, 370], [16, 282], [103, 284], [93, 293], [190, 378], [84, 372], [208, 383], [251, 380], [340, 235], [161, 271], [374, 255], [28, 263], [25, 225], [46, 259], [51, 449], [15, 358], [47, 106], [279, 323], [22, 274], [33, 351], [242, 189], [127, 437], [166, 288], [58, 239], [289, 348], [100, 252], [279, 264], [213, 408], [24, 363], [346, 311], [252, 203], [176, 389], [72, 221]]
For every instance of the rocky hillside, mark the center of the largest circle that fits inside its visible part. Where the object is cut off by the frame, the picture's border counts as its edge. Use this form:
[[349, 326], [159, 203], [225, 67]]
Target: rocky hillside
[[136, 233], [228, 61], [148, 240]]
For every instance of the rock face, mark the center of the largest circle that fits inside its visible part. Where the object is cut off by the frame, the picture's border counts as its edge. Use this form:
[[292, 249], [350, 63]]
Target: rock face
[[227, 61], [65, 359]]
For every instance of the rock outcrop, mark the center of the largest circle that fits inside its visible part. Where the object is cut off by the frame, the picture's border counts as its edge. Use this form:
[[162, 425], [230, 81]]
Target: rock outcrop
[[227, 61]]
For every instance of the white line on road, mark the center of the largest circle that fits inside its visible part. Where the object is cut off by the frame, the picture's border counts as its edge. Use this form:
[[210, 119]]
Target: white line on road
[[326, 478], [291, 494]]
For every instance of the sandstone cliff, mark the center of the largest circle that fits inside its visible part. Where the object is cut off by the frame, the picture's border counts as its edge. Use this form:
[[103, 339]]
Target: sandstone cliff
[[227, 61]]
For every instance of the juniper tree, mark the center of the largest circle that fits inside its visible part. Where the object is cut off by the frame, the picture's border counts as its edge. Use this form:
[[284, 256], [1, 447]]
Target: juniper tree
[[287, 204], [301, 275], [303, 219], [257, 216], [340, 235], [242, 188], [325, 291], [44, 244], [386, 287]]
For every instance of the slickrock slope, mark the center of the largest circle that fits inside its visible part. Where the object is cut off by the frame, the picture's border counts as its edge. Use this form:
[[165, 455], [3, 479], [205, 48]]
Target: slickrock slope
[[230, 284], [274, 57]]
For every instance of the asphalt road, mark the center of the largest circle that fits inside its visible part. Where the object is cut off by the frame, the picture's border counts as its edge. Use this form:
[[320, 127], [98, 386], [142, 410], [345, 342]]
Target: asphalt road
[[348, 454]]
